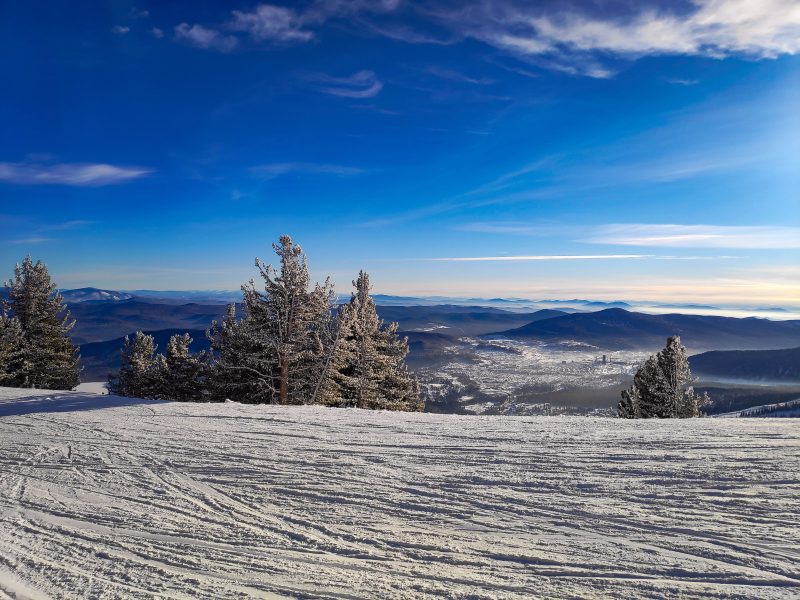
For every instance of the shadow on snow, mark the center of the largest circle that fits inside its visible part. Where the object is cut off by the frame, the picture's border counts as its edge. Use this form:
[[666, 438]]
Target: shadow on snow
[[64, 402]]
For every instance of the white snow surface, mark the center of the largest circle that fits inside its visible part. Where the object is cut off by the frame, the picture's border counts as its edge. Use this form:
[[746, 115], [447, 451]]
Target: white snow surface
[[107, 497]]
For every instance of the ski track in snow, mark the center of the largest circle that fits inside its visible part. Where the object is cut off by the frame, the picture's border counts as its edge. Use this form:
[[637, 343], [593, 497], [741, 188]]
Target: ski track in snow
[[105, 497]]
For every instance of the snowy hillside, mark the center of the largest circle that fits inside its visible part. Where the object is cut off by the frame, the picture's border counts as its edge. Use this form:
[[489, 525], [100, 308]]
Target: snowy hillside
[[108, 497]]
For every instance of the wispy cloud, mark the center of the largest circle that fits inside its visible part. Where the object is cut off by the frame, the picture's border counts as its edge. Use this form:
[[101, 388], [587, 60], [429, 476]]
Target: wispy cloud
[[30, 240], [538, 257], [120, 29], [78, 174], [457, 76], [272, 170], [363, 84], [664, 235], [697, 236], [273, 24], [157, 33], [204, 37], [578, 39], [679, 81], [270, 23]]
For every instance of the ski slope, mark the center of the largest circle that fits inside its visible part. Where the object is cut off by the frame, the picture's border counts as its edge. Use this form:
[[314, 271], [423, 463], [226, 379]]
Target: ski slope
[[106, 497]]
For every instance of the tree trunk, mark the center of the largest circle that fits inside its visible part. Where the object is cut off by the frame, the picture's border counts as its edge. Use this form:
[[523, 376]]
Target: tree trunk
[[284, 387]]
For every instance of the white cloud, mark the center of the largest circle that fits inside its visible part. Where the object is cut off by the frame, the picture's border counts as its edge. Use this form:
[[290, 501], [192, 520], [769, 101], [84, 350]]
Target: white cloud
[[574, 40], [363, 84], [273, 23], [697, 236], [203, 37], [272, 170], [78, 174], [157, 33], [120, 29]]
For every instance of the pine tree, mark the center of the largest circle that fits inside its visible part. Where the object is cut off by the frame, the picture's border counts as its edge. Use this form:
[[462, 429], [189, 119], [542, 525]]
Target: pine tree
[[628, 405], [660, 387], [368, 368], [234, 376], [51, 359], [183, 374], [140, 373], [284, 329], [13, 366]]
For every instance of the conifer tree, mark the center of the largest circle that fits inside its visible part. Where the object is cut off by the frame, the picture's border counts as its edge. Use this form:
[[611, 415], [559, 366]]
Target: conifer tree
[[284, 328], [368, 368], [140, 373], [183, 374], [660, 387], [13, 365], [51, 359], [234, 376]]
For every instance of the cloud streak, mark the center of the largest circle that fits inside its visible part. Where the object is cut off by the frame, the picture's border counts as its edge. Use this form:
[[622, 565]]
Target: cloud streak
[[363, 84], [75, 174], [272, 170], [697, 236], [538, 257]]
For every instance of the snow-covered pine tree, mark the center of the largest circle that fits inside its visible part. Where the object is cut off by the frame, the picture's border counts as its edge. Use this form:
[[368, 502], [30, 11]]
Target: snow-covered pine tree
[[628, 407], [233, 375], [368, 369], [660, 387], [184, 374], [284, 326], [12, 352], [140, 374], [51, 360]]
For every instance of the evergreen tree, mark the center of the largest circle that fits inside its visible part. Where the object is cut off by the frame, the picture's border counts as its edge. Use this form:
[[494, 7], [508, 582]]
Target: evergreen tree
[[284, 329], [13, 366], [234, 376], [660, 387], [140, 373], [628, 405], [183, 374], [368, 367], [51, 359]]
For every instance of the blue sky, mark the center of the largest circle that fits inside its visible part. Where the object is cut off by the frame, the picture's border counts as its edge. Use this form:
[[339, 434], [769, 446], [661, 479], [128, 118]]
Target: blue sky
[[646, 151]]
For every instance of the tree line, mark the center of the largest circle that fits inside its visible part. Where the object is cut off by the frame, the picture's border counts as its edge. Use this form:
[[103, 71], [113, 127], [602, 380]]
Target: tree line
[[291, 345]]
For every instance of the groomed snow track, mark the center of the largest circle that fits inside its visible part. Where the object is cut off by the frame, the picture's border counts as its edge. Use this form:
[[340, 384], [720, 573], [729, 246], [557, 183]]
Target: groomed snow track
[[105, 497]]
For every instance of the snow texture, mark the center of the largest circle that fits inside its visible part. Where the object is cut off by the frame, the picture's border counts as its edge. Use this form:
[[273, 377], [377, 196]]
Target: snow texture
[[107, 497]]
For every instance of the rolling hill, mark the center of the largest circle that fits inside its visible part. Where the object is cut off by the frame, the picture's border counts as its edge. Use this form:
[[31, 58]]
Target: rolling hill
[[616, 328], [749, 365]]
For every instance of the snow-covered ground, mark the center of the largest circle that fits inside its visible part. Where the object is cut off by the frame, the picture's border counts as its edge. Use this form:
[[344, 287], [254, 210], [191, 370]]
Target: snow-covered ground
[[105, 497]]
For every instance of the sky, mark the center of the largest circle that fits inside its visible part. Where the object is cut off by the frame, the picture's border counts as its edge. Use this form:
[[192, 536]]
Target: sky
[[596, 149]]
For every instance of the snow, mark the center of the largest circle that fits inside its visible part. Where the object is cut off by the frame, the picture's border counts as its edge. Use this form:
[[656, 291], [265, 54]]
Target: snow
[[108, 497]]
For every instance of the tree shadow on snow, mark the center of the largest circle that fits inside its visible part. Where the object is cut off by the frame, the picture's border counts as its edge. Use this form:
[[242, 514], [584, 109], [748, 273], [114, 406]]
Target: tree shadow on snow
[[69, 402]]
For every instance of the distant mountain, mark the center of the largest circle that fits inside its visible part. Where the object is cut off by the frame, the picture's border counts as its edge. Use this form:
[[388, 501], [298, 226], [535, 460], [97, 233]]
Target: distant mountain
[[188, 296], [749, 365], [459, 320], [97, 321], [90, 294], [98, 359], [615, 328]]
